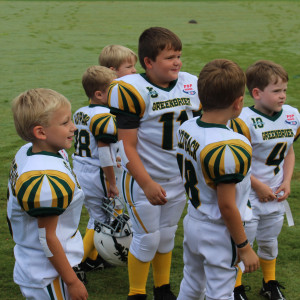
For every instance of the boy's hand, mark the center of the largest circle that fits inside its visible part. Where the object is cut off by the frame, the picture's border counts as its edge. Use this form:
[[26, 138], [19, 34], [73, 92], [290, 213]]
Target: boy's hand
[[249, 258], [112, 191], [283, 191], [77, 291], [155, 193], [264, 193]]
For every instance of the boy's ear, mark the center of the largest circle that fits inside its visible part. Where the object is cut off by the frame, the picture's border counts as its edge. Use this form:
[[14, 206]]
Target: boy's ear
[[112, 68], [98, 95], [148, 62], [39, 132], [238, 103], [255, 93]]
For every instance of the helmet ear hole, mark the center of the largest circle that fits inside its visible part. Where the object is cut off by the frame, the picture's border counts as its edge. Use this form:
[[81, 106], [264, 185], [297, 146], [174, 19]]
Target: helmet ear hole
[[112, 238]]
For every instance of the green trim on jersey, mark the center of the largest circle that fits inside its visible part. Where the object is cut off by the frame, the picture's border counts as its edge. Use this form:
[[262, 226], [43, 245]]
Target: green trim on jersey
[[271, 118], [98, 105], [168, 89], [30, 153], [209, 125]]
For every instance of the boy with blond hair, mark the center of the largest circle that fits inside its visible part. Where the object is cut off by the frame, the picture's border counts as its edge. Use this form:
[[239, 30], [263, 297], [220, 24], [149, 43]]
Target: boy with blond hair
[[271, 127], [149, 108], [93, 159], [45, 199], [120, 59], [215, 167]]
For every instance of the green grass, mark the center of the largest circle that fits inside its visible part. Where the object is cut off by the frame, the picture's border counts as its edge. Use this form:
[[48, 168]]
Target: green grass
[[51, 43]]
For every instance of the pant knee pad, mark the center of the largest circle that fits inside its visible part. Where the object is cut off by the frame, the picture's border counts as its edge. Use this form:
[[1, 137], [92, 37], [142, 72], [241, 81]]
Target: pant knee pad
[[144, 246], [267, 250], [167, 236]]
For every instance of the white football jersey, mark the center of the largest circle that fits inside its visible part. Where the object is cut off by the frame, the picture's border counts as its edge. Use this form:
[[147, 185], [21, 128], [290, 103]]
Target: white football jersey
[[161, 111], [42, 184], [94, 123], [271, 139], [209, 154]]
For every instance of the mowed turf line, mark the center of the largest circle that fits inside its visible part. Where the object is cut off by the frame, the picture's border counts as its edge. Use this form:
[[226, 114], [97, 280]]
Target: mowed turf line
[[50, 44]]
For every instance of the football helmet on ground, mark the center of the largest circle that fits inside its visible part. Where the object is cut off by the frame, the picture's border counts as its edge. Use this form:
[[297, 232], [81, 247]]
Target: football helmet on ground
[[112, 237]]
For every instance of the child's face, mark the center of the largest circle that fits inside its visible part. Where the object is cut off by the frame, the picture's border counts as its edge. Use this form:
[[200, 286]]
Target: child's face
[[60, 132], [165, 68], [271, 99], [126, 68]]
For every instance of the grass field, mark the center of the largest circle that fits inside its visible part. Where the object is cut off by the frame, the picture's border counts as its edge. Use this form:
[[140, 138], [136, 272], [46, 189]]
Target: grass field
[[51, 43]]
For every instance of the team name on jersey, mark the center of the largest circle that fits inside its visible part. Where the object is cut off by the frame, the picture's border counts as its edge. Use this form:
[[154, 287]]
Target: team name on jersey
[[187, 143], [277, 134], [171, 103], [81, 118]]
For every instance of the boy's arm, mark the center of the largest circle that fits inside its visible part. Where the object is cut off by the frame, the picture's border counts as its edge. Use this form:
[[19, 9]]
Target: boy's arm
[[233, 221], [262, 190], [153, 191], [110, 174], [59, 259], [288, 168]]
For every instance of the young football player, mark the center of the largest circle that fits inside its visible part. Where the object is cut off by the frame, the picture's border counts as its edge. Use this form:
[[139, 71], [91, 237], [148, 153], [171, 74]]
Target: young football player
[[118, 58], [271, 127], [45, 199], [93, 159], [149, 108], [214, 163], [122, 60]]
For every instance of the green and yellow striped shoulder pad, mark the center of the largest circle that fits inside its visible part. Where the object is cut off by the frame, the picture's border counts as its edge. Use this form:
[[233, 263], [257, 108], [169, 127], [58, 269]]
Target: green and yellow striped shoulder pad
[[103, 124], [225, 161], [44, 192], [239, 126], [128, 99]]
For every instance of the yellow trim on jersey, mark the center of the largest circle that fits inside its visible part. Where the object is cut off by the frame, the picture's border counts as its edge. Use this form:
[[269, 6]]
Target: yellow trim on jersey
[[239, 126], [212, 159], [128, 180], [297, 134], [129, 99], [100, 124], [29, 185], [58, 289]]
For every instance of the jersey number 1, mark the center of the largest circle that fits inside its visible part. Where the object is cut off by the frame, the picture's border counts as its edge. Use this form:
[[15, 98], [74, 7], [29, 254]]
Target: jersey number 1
[[168, 127]]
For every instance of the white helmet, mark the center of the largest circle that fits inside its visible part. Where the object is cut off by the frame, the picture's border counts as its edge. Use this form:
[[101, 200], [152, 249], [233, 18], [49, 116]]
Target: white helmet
[[112, 238]]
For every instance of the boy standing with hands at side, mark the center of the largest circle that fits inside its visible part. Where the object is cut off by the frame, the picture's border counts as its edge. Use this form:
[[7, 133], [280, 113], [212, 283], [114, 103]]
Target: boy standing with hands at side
[[45, 199], [271, 128], [214, 163], [93, 159], [149, 108]]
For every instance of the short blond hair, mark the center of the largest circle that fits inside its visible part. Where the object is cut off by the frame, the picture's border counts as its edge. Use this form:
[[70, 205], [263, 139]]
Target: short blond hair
[[115, 55], [35, 107], [97, 78]]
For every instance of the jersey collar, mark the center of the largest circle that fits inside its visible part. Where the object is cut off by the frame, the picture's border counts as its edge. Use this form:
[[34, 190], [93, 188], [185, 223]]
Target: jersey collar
[[210, 125], [272, 118], [97, 105], [168, 89], [30, 153]]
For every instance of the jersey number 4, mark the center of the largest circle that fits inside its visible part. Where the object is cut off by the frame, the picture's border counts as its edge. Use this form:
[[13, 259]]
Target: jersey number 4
[[276, 156]]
